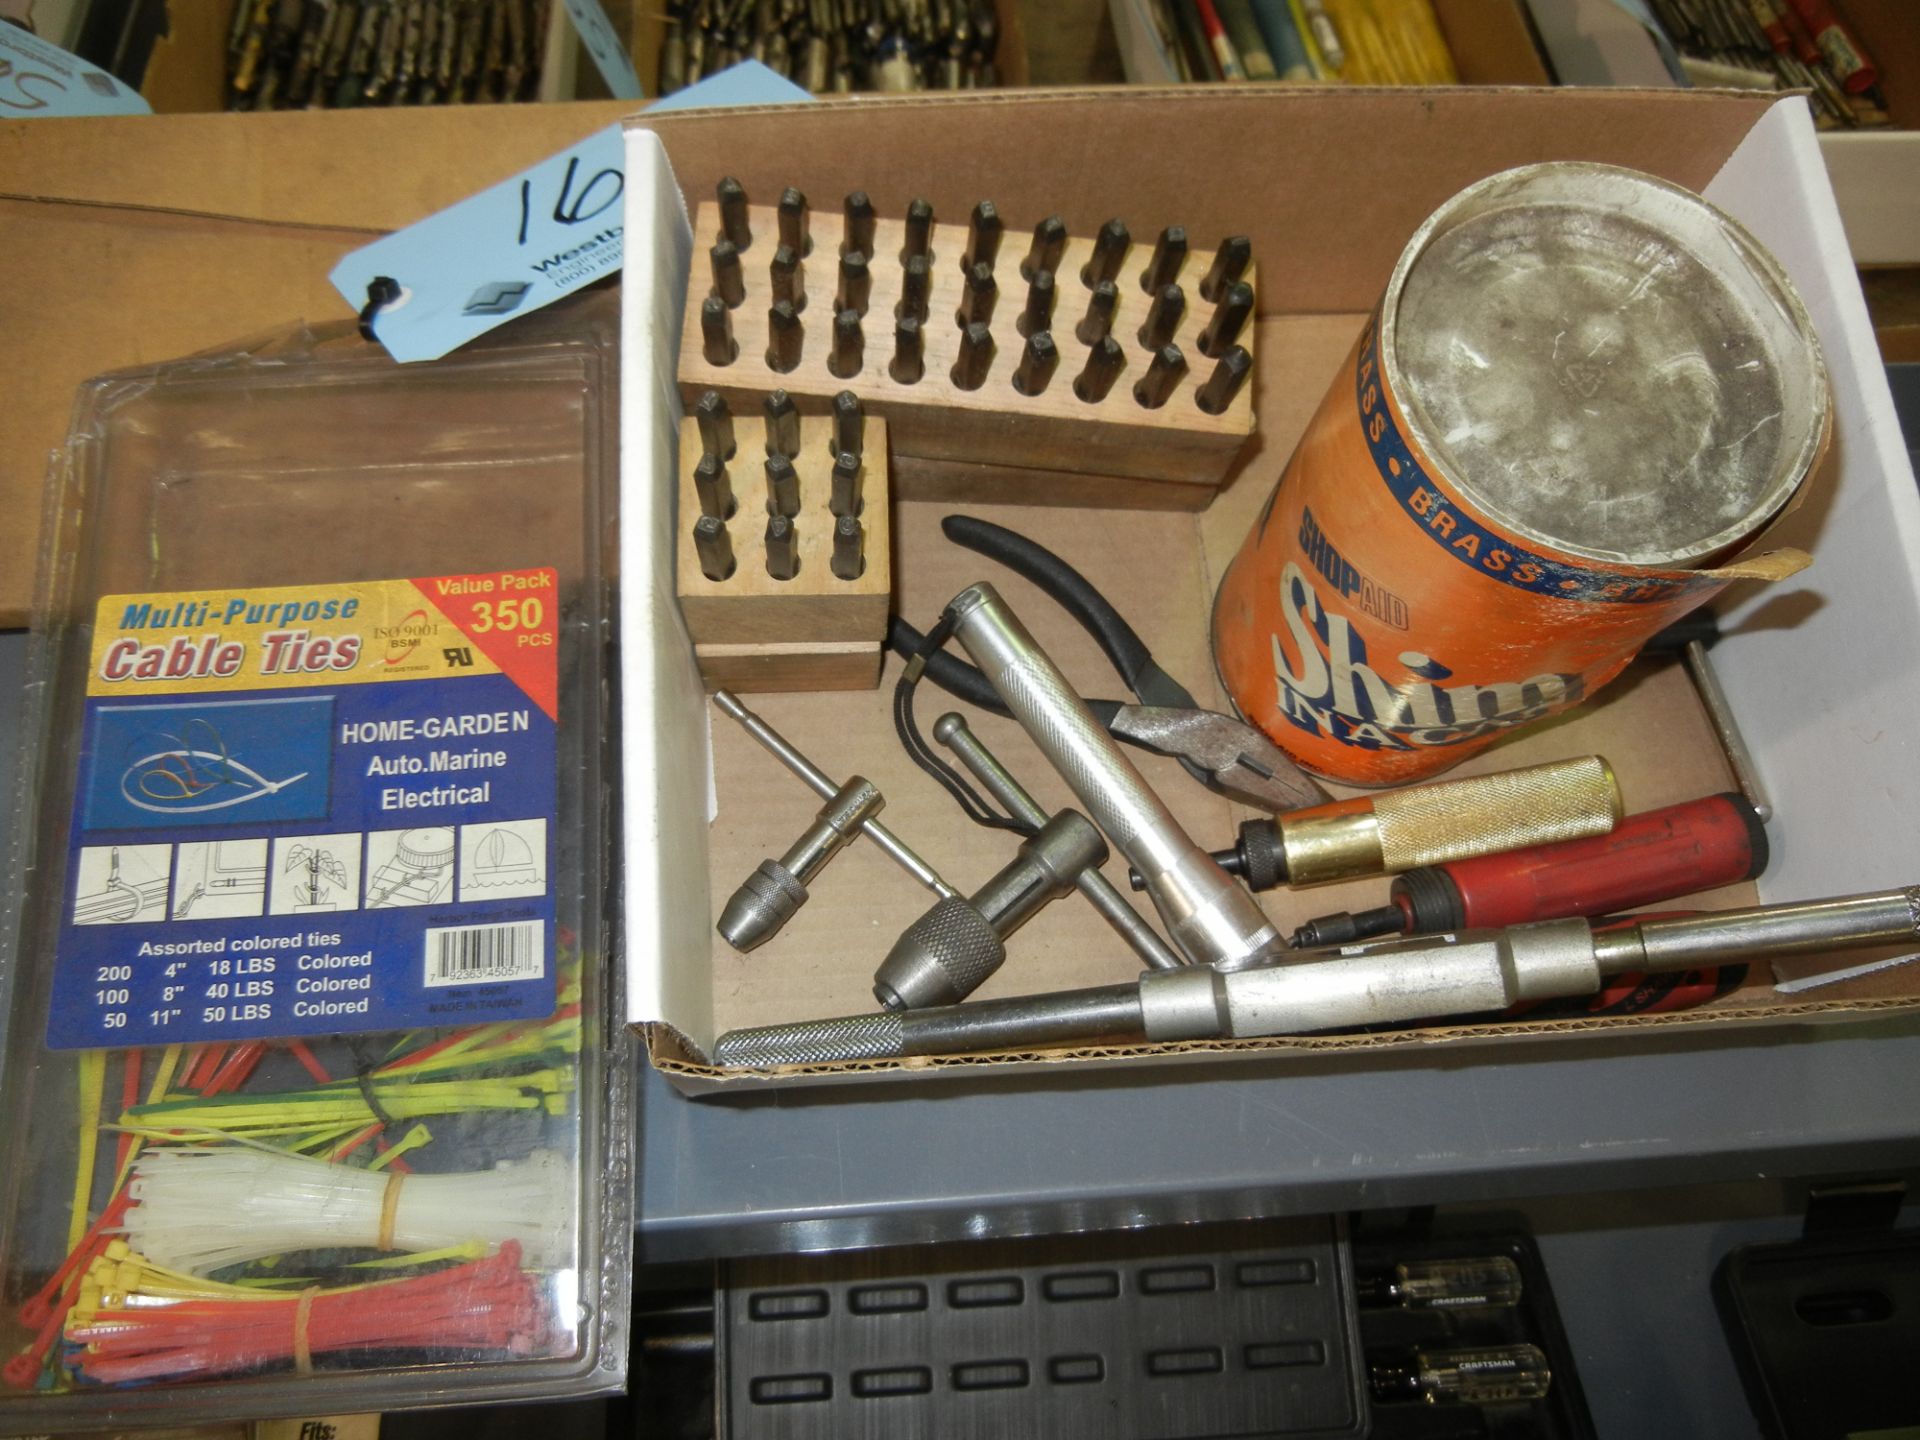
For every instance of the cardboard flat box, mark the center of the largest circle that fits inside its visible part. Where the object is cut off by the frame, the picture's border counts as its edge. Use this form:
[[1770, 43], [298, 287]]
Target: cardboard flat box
[[1823, 670], [140, 238]]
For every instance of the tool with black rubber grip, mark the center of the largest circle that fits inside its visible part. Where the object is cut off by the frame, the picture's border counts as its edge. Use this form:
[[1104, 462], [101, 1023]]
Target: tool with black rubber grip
[[1647, 859], [1224, 754]]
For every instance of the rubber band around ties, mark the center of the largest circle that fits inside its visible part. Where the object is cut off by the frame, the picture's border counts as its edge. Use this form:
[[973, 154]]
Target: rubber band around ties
[[302, 1314], [389, 1207], [381, 292]]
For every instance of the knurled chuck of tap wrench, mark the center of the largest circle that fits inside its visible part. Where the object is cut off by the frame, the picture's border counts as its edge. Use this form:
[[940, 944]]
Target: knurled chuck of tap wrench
[[947, 953], [768, 898]]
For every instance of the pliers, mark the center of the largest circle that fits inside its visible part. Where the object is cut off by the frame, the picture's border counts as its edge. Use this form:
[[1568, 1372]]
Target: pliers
[[1226, 755]]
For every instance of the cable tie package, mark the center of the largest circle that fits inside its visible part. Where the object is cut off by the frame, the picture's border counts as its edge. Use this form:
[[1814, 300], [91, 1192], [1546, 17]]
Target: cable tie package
[[312, 1036]]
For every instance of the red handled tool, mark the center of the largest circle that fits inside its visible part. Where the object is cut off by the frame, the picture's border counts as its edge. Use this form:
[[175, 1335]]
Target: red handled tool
[[1845, 56], [1646, 859]]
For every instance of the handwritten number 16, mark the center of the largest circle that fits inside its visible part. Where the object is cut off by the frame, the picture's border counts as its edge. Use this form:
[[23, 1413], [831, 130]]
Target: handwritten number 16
[[570, 208]]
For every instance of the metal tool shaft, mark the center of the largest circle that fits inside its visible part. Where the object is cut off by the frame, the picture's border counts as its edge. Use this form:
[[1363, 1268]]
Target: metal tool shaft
[[1890, 917], [951, 730], [1385, 982], [816, 780], [1038, 1021], [1487, 970], [832, 829], [1746, 773], [1211, 919]]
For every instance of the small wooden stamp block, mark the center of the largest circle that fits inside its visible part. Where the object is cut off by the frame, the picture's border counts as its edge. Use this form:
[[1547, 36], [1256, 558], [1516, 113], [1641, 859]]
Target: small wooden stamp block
[[815, 631]]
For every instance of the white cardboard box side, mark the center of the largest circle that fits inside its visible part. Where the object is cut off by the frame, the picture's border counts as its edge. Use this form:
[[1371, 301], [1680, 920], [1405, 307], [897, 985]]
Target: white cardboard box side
[[1876, 179], [662, 729], [1827, 703]]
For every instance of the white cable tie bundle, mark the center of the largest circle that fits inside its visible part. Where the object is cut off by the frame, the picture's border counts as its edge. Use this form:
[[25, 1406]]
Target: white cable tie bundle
[[199, 1210]]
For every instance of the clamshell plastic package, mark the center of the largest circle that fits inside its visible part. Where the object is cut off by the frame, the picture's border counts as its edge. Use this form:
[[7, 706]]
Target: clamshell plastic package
[[316, 1096]]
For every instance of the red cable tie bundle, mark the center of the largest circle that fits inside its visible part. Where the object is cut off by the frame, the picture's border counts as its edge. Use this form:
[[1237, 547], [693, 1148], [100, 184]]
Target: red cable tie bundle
[[480, 1305], [37, 1307]]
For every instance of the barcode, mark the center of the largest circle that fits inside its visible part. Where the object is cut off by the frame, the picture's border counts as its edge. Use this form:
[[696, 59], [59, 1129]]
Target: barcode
[[469, 954]]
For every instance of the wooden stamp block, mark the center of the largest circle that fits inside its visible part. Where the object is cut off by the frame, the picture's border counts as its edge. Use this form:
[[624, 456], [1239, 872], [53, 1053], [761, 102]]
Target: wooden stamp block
[[815, 631], [1003, 442], [853, 665]]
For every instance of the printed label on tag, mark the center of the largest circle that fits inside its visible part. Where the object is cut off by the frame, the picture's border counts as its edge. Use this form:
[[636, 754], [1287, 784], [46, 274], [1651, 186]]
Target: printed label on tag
[[510, 249], [609, 55], [38, 79], [313, 810]]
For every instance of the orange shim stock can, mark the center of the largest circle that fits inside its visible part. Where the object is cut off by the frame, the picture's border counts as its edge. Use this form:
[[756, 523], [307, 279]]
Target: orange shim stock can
[[1583, 395]]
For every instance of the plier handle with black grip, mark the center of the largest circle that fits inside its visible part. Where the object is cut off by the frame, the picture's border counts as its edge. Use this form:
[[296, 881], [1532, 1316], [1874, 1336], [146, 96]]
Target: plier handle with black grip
[[1226, 755]]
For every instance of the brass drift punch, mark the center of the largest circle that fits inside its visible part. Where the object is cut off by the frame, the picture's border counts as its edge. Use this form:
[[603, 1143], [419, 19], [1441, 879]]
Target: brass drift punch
[[1228, 756]]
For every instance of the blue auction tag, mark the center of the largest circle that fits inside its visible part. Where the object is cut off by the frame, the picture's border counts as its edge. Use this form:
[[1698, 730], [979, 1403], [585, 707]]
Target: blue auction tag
[[511, 249], [748, 83], [38, 79], [609, 55]]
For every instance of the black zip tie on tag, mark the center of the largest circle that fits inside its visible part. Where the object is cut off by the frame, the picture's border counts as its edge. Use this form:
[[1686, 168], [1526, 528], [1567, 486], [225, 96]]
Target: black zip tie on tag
[[971, 802], [363, 1079], [381, 293]]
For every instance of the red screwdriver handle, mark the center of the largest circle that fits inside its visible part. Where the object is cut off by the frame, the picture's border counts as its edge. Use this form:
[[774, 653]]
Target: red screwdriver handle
[[1648, 858]]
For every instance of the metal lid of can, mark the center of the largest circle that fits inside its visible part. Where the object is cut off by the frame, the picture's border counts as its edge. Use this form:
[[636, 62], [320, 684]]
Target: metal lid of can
[[1604, 362]]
